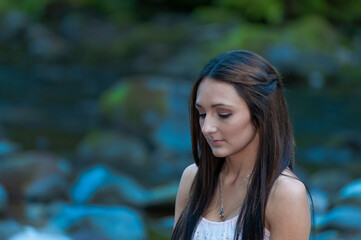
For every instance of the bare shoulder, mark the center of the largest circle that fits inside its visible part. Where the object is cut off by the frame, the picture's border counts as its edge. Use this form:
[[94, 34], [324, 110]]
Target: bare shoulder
[[288, 187], [183, 190], [190, 171], [288, 211], [187, 178]]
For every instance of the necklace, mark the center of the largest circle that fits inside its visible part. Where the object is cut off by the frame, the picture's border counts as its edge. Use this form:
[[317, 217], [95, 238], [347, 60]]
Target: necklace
[[221, 212]]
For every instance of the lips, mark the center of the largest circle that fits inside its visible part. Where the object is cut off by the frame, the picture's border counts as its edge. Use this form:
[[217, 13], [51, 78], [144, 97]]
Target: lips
[[214, 142]]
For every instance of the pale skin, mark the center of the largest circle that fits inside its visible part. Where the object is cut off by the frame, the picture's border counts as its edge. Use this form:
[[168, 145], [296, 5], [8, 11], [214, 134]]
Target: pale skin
[[225, 119]]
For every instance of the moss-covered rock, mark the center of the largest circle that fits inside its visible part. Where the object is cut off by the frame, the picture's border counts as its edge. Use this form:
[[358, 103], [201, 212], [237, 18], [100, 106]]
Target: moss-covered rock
[[121, 151], [134, 102]]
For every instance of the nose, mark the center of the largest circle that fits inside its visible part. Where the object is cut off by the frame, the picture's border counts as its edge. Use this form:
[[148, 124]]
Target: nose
[[208, 127]]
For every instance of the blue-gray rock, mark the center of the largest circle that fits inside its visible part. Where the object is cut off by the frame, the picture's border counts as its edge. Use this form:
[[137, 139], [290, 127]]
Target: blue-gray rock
[[173, 133], [3, 199], [7, 147], [302, 63], [162, 112], [43, 42], [352, 236], [112, 222], [329, 180], [86, 234], [36, 213], [49, 188], [88, 30], [167, 222], [188, 61], [320, 200], [17, 171], [118, 150], [316, 80], [326, 155], [327, 235], [133, 193], [100, 185], [89, 182], [352, 189], [31, 233], [341, 217], [72, 25], [13, 23], [168, 166], [9, 228], [283, 56]]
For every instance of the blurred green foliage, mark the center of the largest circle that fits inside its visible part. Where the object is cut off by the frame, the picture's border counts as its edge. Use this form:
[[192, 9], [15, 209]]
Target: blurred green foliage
[[264, 11], [113, 9], [122, 30], [308, 33], [271, 11], [311, 33], [35, 8]]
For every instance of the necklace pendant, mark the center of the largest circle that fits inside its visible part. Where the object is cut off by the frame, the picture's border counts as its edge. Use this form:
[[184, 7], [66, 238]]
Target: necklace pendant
[[221, 213]]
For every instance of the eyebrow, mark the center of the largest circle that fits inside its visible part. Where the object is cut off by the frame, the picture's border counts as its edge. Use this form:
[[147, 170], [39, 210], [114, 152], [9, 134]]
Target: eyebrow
[[215, 105]]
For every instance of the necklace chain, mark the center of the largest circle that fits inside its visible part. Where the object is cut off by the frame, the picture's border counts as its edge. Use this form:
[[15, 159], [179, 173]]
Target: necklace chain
[[221, 212]]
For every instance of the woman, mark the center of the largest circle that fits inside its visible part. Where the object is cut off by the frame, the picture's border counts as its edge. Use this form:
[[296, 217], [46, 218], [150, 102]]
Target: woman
[[242, 185]]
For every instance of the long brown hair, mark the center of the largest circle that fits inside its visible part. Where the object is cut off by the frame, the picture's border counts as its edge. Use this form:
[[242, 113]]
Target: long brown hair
[[259, 84]]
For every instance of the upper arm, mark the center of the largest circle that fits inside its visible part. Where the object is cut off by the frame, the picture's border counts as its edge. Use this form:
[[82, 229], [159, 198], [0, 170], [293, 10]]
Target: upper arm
[[183, 191], [288, 212]]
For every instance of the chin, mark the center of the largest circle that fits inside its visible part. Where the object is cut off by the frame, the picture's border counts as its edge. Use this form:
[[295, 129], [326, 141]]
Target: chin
[[219, 154]]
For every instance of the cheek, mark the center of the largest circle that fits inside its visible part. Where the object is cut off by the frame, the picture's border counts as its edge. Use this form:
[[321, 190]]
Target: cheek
[[201, 122], [242, 131]]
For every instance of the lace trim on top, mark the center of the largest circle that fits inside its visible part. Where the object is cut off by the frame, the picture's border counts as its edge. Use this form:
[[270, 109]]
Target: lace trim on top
[[211, 230]]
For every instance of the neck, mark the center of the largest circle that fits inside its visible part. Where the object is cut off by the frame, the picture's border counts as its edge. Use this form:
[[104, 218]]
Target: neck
[[239, 165]]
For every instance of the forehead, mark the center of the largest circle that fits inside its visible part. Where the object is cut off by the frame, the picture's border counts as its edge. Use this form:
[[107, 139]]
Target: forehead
[[212, 91]]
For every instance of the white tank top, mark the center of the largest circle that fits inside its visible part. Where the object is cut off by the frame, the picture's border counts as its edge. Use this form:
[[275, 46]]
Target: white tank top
[[209, 230]]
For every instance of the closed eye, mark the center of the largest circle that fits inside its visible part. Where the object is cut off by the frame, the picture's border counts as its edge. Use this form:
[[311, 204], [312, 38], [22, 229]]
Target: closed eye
[[224, 115], [203, 115]]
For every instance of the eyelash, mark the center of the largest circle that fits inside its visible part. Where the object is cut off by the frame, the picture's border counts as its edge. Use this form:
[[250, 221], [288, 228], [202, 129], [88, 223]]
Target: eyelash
[[224, 116]]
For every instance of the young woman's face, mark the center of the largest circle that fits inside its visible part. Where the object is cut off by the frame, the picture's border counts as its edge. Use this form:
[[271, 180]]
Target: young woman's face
[[225, 119]]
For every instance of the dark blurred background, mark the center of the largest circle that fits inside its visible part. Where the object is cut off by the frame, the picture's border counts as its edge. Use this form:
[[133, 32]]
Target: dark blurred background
[[94, 130]]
